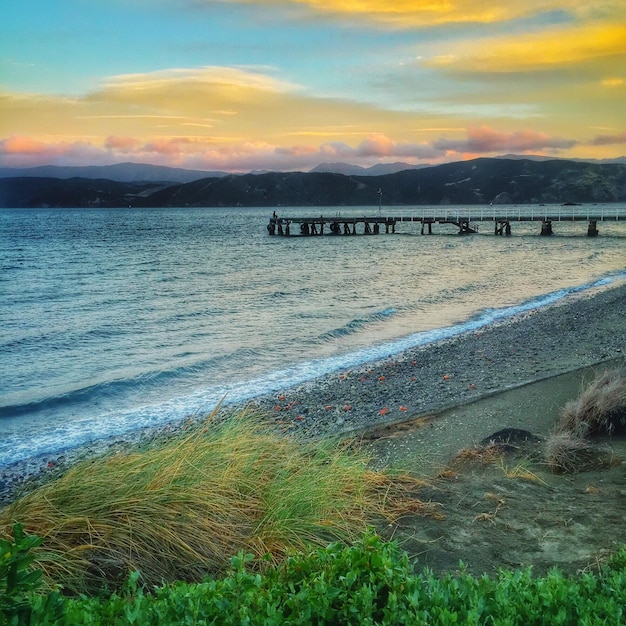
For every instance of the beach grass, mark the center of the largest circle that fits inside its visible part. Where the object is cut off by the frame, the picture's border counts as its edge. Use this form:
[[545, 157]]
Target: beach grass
[[182, 507], [600, 409]]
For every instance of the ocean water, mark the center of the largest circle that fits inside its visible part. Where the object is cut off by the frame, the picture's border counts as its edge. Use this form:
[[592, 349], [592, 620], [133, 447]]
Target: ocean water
[[116, 319]]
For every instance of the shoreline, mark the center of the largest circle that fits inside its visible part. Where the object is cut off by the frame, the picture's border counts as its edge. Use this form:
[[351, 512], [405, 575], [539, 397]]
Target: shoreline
[[581, 330]]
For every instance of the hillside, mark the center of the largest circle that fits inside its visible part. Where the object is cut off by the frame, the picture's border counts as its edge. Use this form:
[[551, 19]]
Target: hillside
[[480, 181], [25, 192]]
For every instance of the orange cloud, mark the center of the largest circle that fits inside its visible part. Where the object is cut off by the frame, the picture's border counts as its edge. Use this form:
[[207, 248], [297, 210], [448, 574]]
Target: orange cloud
[[23, 151], [486, 140], [123, 144], [22, 145]]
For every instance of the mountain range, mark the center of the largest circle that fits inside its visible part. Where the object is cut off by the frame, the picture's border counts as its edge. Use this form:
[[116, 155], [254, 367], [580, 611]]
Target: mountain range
[[479, 181]]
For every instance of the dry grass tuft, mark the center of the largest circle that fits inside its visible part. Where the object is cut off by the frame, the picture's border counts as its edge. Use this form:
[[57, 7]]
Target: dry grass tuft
[[520, 471], [477, 455], [567, 453], [399, 497], [180, 509], [599, 409]]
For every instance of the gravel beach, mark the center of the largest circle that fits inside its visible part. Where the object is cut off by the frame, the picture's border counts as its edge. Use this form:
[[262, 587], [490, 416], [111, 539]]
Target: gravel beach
[[581, 330]]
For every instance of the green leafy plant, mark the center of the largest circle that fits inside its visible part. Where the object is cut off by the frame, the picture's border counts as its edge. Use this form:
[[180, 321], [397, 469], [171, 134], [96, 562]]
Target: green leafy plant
[[18, 580], [369, 582]]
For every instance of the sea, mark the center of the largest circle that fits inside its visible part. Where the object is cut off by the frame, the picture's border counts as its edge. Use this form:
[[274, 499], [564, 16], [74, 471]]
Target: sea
[[113, 320]]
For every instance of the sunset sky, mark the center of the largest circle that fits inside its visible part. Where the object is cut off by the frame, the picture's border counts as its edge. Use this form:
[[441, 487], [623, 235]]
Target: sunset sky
[[285, 85]]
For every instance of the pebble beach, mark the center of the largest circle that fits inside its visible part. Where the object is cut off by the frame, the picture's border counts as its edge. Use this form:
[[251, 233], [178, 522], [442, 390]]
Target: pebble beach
[[579, 331], [582, 329]]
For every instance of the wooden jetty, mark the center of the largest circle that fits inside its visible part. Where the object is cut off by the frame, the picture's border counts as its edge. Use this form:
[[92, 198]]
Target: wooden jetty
[[466, 220]]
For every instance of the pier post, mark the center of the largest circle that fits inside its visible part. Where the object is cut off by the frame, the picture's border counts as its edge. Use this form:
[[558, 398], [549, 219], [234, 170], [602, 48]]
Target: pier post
[[464, 227], [376, 228], [592, 231], [503, 228], [546, 228]]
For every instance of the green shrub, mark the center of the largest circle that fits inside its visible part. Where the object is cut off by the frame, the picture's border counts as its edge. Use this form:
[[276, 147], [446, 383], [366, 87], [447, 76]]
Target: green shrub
[[370, 582], [18, 580]]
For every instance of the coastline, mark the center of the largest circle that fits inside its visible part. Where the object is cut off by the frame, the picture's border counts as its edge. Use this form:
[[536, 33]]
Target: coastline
[[581, 330]]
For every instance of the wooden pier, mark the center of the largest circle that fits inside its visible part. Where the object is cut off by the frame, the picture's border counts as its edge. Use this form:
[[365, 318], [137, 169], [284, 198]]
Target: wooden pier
[[465, 220]]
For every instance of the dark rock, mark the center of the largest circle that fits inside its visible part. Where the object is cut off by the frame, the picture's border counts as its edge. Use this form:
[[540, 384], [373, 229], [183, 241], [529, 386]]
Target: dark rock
[[510, 438]]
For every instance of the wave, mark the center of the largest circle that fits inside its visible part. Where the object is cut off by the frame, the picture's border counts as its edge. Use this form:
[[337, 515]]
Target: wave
[[140, 384], [356, 324], [81, 427]]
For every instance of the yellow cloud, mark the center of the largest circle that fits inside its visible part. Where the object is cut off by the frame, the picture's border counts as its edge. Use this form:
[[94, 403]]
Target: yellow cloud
[[543, 50], [219, 105], [410, 13], [612, 82]]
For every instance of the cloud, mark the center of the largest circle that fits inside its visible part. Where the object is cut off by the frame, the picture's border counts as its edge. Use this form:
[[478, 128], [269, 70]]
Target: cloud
[[123, 144], [238, 119], [22, 145], [204, 153], [486, 140], [244, 76], [612, 82], [542, 50], [419, 13], [608, 140], [380, 146], [23, 151]]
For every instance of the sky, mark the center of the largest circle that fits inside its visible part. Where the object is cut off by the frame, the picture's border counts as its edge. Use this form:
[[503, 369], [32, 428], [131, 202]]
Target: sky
[[244, 85]]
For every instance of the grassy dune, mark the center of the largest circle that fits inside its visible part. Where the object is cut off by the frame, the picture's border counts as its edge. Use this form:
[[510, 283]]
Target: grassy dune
[[180, 509]]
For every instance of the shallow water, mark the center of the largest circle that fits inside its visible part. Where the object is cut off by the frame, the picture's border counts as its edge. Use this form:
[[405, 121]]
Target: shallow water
[[115, 319]]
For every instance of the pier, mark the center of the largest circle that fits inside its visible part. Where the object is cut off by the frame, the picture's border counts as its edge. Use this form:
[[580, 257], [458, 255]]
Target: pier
[[465, 220]]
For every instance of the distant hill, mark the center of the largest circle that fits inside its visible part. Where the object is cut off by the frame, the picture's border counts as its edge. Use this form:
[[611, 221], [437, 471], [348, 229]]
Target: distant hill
[[24, 192], [121, 172], [538, 157], [375, 170], [479, 181]]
